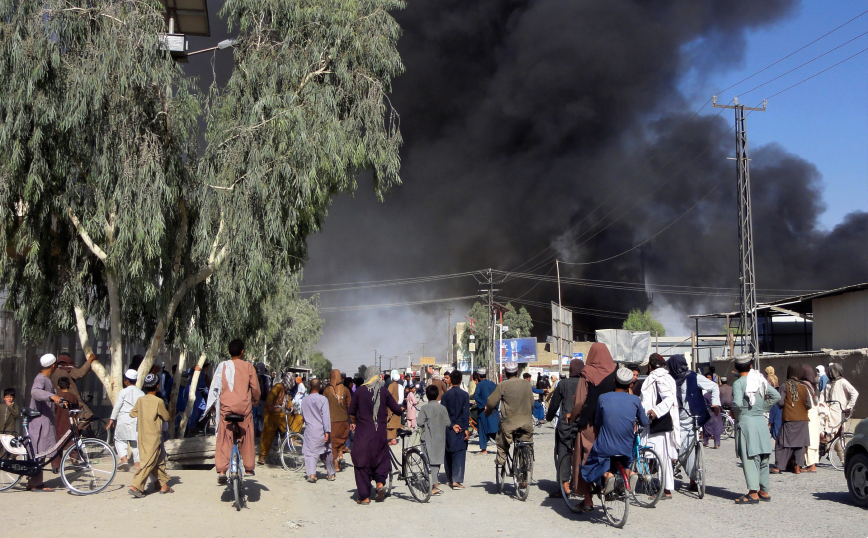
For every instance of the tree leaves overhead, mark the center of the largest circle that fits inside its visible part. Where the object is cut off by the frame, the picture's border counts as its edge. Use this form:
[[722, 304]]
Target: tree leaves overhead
[[107, 203], [643, 321]]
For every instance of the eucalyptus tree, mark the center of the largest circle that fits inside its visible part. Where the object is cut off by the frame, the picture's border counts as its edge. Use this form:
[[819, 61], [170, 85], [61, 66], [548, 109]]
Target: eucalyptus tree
[[107, 210]]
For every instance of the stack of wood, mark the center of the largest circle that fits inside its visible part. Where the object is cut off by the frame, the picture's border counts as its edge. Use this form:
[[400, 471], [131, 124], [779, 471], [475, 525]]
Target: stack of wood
[[190, 451]]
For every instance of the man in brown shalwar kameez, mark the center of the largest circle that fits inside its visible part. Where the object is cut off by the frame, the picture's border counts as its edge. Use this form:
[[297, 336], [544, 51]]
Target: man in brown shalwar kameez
[[339, 403], [238, 394], [150, 412]]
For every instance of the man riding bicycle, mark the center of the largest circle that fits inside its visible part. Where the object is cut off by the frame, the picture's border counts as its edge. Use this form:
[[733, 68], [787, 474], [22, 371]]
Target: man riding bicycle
[[516, 411]]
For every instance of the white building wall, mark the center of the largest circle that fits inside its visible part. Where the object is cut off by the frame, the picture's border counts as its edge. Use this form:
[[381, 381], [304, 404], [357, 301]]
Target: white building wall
[[841, 321]]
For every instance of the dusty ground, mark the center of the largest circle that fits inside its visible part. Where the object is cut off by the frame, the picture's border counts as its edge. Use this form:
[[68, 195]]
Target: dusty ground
[[281, 502]]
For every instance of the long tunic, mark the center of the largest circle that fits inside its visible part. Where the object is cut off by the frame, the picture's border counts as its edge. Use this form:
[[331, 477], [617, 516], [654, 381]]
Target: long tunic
[[73, 375], [317, 422], [616, 416], [457, 404], [395, 417], [43, 434], [238, 399], [151, 413], [752, 432], [843, 392], [125, 429], [516, 404], [794, 432], [487, 424], [434, 418], [412, 409], [370, 444]]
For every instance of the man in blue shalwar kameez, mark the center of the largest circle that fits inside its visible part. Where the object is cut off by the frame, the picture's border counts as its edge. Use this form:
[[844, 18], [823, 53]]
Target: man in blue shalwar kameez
[[457, 404], [487, 425], [616, 417]]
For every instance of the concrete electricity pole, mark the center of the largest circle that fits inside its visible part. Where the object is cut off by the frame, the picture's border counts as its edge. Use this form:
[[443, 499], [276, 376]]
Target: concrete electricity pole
[[449, 333], [748, 329], [409, 360], [423, 347]]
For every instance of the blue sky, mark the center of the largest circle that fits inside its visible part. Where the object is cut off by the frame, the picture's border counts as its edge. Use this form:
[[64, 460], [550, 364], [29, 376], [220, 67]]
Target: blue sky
[[824, 120]]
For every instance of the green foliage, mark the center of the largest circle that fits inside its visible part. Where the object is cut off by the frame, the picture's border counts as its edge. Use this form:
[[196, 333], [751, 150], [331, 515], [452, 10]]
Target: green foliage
[[105, 204], [519, 322], [478, 313], [643, 321], [320, 365], [361, 371]]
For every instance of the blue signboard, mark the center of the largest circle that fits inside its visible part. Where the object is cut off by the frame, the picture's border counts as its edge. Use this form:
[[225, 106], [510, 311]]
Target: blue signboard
[[516, 350]]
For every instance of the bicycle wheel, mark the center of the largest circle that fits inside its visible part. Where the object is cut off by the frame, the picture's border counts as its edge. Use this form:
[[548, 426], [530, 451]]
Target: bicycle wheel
[[237, 487], [728, 429], [616, 505], [7, 479], [565, 468], [500, 477], [838, 444], [290, 452], [96, 429], [649, 488], [88, 467], [700, 471], [523, 472], [418, 475]]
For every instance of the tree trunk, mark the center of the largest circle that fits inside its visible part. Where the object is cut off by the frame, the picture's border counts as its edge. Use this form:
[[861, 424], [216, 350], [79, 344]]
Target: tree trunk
[[115, 346], [111, 389], [176, 384], [191, 397]]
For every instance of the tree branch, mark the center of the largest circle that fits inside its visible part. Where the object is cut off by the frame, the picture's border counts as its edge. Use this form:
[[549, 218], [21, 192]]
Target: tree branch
[[182, 234], [85, 237]]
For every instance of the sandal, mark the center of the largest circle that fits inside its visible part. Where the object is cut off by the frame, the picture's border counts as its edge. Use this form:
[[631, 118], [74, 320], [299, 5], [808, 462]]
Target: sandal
[[746, 499], [436, 492], [168, 490], [136, 493], [363, 503], [310, 479], [330, 478], [587, 507], [773, 470], [458, 486], [381, 494], [766, 499], [39, 488]]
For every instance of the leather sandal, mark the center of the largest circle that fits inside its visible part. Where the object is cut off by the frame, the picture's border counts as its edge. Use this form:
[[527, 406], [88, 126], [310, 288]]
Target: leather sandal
[[746, 499]]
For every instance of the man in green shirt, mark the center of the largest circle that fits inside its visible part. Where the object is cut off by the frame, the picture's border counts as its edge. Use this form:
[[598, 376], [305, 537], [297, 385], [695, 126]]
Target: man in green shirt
[[752, 397], [516, 411]]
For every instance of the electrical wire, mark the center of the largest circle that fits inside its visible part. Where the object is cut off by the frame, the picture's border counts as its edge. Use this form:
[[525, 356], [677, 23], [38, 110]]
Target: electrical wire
[[331, 309], [382, 283]]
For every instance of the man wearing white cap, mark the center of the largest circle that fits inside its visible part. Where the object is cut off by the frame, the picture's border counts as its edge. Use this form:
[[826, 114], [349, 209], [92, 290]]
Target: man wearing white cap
[[126, 431], [515, 398], [42, 432]]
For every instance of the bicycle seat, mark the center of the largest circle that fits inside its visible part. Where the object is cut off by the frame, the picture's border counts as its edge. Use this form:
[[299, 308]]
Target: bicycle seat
[[31, 413], [405, 433], [232, 417]]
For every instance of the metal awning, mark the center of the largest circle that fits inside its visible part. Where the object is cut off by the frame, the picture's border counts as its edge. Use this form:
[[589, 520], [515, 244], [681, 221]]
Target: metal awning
[[191, 16]]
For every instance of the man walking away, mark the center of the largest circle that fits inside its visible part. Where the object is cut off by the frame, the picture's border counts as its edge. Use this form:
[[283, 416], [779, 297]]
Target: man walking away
[[663, 433], [487, 424], [126, 430], [457, 403], [43, 435], [433, 421], [152, 413], [515, 398], [369, 407], [235, 390], [274, 417], [317, 426], [752, 398], [338, 397], [565, 433]]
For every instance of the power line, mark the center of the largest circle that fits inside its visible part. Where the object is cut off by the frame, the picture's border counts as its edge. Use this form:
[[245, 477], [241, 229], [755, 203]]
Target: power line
[[815, 74], [383, 283], [389, 305]]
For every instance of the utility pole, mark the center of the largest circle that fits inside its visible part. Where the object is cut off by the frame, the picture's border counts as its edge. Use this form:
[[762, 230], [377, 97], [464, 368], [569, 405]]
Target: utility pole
[[423, 347], [747, 274], [409, 361], [380, 365], [449, 333]]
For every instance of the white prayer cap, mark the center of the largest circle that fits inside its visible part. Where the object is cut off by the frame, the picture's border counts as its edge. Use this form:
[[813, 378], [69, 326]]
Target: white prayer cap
[[132, 375], [624, 376], [47, 360], [510, 367], [745, 358], [482, 371]]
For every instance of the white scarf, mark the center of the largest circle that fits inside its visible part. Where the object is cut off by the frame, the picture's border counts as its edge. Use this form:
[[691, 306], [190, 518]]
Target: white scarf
[[226, 368], [756, 383]]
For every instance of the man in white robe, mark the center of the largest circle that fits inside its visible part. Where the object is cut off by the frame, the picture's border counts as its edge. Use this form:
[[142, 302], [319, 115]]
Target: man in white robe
[[659, 400], [126, 430]]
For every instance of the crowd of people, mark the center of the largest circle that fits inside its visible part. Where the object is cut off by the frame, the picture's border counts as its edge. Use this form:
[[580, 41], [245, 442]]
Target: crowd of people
[[596, 410]]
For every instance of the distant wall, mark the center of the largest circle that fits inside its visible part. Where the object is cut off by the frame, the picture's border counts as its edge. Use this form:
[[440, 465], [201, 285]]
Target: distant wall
[[855, 370], [841, 321]]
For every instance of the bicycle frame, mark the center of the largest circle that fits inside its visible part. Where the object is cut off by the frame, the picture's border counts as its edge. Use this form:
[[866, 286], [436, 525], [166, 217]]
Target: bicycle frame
[[32, 465], [637, 447]]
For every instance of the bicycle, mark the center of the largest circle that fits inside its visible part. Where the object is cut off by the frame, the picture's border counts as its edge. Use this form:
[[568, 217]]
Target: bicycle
[[413, 468], [520, 467], [616, 504], [647, 464], [236, 464], [833, 447], [88, 465], [684, 456], [728, 423], [291, 445]]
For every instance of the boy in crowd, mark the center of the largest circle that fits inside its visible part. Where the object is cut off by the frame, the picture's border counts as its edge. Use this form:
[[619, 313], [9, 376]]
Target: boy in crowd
[[433, 419], [153, 413], [9, 412], [616, 417]]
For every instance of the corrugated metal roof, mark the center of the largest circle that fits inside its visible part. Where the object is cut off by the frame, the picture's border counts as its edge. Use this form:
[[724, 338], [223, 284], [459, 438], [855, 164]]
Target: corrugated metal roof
[[191, 16], [798, 303]]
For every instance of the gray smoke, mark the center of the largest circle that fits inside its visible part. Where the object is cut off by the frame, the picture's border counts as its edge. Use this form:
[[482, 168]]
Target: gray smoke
[[520, 119]]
